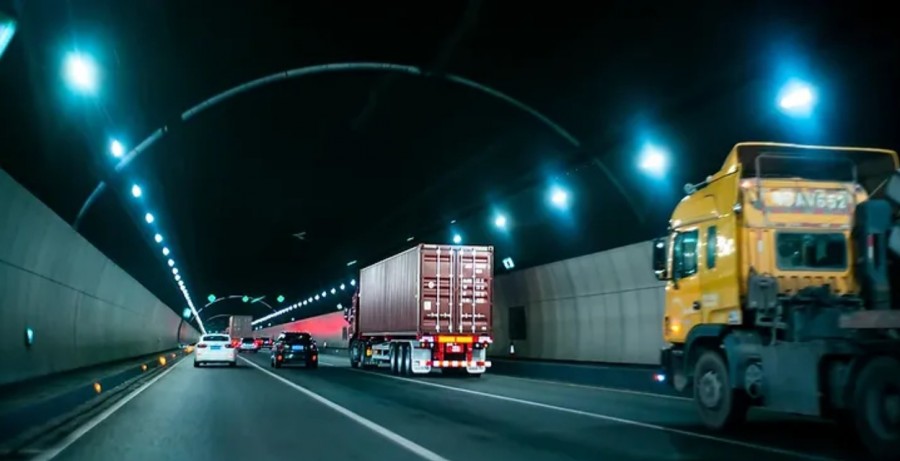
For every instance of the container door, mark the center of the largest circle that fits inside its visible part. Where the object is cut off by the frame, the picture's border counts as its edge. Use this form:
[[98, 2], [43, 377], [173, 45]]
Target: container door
[[436, 292], [474, 266]]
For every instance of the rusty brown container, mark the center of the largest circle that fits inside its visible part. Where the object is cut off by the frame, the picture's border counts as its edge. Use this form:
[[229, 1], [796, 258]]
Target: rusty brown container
[[428, 289]]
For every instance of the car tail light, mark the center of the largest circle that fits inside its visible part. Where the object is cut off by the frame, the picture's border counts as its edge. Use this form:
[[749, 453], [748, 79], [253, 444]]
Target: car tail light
[[201, 345], [279, 358]]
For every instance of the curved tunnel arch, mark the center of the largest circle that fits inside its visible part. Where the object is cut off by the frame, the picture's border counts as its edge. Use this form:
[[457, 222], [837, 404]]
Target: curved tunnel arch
[[159, 133]]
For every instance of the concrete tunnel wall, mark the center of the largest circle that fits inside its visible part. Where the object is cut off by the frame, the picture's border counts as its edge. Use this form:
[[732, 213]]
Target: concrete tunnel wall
[[601, 307], [84, 309]]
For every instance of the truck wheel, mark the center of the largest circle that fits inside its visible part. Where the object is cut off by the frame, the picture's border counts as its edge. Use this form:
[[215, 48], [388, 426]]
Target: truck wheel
[[877, 407], [405, 359], [394, 359], [720, 406]]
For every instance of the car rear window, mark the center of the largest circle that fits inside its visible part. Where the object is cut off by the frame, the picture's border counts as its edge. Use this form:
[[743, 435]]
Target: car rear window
[[215, 338], [296, 338], [248, 340]]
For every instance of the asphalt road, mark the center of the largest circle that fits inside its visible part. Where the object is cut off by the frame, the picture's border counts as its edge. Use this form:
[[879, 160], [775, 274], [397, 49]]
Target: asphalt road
[[334, 412]]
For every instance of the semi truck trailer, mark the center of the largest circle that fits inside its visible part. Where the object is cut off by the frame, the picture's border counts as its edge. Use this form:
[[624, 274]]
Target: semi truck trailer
[[240, 326], [427, 308], [781, 289]]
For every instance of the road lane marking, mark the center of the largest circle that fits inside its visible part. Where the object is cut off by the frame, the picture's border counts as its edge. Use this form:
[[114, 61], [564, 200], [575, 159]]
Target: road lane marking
[[628, 422], [597, 388], [390, 435], [53, 452]]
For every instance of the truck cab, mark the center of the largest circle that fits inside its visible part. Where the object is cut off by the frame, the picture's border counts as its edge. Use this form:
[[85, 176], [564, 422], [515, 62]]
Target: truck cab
[[776, 269]]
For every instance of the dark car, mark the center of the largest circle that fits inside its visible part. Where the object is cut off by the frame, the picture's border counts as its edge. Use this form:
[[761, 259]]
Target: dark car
[[295, 348]]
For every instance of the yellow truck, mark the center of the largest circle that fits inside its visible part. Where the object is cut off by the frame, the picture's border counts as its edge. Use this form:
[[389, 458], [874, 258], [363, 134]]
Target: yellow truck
[[779, 271]]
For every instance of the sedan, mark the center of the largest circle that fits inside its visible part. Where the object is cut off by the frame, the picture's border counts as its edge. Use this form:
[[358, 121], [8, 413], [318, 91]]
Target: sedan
[[215, 349]]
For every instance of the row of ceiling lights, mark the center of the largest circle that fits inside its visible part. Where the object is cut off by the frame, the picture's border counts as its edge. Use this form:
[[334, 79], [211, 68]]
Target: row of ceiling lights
[[312, 299], [82, 75]]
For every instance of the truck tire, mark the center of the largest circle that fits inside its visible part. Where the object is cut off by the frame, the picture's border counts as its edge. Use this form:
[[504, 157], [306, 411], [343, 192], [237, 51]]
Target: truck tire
[[876, 404], [720, 406], [405, 359], [394, 358]]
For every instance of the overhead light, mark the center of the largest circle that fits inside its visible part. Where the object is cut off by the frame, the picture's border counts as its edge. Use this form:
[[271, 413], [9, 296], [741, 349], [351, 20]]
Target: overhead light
[[343, 286], [136, 191], [171, 263], [333, 291], [158, 238], [149, 218], [351, 263], [165, 251]]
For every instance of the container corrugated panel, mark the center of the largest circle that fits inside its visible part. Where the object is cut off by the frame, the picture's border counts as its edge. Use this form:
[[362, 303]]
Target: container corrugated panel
[[429, 289], [387, 295]]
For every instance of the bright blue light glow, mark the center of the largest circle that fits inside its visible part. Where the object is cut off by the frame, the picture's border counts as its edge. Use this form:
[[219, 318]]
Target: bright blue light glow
[[457, 239], [797, 98], [116, 149], [654, 160], [353, 283], [343, 286], [175, 271], [186, 313], [7, 31], [81, 72], [316, 297], [165, 251], [136, 191], [156, 237], [171, 263], [500, 221], [149, 218], [559, 197]]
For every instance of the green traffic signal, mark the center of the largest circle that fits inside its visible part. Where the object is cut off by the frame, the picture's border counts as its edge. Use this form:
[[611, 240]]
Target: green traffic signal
[[280, 299], [211, 297]]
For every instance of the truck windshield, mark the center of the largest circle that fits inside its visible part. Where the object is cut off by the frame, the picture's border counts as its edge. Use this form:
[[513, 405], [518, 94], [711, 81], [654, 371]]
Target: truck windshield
[[811, 251]]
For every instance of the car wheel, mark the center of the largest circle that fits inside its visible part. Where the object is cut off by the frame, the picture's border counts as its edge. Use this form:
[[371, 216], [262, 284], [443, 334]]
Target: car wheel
[[196, 364], [720, 406], [232, 364], [277, 365]]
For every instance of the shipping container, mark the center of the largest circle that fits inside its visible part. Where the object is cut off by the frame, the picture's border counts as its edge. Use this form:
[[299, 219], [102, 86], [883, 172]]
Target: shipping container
[[240, 326], [427, 307]]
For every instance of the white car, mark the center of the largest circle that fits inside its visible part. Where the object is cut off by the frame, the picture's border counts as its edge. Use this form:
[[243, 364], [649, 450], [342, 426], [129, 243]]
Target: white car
[[215, 349]]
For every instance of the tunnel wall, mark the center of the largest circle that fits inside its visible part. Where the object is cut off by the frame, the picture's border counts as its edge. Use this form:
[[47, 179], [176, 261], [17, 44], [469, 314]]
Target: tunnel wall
[[601, 307], [84, 309]]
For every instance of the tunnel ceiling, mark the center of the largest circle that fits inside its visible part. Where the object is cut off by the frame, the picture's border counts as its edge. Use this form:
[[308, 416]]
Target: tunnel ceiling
[[356, 163]]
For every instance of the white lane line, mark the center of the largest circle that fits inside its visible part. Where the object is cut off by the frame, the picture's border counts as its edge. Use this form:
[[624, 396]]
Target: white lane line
[[390, 435], [53, 452], [596, 388], [628, 422]]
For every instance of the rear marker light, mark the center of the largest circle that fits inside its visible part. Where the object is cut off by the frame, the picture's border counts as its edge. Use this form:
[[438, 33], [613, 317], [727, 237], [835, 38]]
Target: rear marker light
[[98, 388]]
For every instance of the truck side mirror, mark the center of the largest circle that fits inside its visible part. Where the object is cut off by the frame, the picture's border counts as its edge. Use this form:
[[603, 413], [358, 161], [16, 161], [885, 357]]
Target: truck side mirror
[[660, 257]]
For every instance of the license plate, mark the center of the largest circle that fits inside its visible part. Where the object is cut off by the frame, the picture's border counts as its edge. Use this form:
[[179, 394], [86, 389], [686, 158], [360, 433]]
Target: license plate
[[215, 348], [297, 347]]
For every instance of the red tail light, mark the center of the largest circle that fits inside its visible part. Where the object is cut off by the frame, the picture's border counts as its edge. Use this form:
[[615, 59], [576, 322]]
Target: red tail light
[[280, 358], [201, 345]]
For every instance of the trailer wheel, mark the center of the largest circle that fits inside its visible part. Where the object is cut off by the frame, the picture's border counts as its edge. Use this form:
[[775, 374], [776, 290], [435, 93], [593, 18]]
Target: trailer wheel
[[877, 407], [720, 406], [355, 354], [394, 359], [405, 359]]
